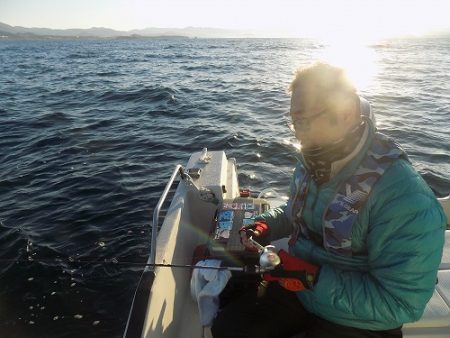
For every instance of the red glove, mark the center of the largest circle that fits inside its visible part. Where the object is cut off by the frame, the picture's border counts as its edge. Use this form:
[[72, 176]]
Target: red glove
[[294, 274], [259, 231]]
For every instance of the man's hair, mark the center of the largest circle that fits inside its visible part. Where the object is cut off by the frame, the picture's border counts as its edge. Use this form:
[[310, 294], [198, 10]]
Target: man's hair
[[327, 84]]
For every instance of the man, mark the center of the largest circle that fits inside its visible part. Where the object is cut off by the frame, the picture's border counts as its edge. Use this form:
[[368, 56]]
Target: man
[[366, 231]]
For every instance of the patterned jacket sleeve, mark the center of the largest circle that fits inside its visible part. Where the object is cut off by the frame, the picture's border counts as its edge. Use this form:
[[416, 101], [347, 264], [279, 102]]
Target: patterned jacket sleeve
[[279, 219]]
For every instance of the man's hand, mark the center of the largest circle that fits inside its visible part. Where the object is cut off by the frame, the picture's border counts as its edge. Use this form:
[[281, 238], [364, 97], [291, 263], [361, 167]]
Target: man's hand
[[259, 231], [293, 273]]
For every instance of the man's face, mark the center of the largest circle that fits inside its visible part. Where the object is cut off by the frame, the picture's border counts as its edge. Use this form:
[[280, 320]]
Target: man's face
[[316, 123]]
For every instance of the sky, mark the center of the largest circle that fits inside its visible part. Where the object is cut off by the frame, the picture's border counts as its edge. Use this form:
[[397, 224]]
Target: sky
[[328, 19]]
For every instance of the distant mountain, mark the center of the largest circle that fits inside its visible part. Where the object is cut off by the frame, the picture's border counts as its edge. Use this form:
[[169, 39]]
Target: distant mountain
[[17, 32], [198, 32], [23, 32], [440, 33]]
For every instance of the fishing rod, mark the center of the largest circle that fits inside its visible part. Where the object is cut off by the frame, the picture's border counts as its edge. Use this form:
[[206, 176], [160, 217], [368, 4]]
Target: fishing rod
[[268, 260], [115, 261]]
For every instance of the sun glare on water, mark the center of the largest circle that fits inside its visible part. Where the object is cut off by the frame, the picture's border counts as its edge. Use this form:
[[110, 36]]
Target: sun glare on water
[[348, 28], [347, 34], [359, 61]]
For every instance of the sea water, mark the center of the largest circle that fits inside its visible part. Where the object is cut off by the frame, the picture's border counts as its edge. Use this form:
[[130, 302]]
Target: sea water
[[90, 131]]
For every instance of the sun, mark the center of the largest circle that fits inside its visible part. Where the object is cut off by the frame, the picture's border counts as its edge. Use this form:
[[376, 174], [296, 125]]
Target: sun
[[358, 58]]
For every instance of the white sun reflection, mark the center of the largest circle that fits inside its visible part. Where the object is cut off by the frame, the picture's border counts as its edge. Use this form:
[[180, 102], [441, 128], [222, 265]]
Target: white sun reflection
[[358, 59]]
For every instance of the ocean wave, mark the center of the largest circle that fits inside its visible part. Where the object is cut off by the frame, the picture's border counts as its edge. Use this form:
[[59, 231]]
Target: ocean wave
[[150, 94]]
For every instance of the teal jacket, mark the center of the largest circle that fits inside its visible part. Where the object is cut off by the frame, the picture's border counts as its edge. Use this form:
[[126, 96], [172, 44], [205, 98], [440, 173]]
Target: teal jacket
[[398, 239]]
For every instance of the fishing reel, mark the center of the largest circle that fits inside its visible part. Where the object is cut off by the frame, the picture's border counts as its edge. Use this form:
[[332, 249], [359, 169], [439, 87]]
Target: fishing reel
[[268, 257]]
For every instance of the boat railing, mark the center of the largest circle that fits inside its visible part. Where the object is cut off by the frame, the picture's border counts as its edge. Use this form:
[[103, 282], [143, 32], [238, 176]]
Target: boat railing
[[161, 201]]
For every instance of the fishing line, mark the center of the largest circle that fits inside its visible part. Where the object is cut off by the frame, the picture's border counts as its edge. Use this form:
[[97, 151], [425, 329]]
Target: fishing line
[[115, 261]]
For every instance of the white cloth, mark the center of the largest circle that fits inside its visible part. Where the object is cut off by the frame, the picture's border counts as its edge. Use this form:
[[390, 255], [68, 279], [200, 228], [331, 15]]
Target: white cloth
[[206, 285]]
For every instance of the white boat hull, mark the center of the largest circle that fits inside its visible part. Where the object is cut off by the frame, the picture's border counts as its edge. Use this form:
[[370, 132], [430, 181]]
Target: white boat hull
[[163, 306]]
